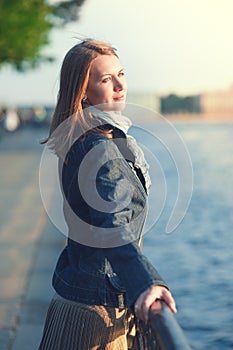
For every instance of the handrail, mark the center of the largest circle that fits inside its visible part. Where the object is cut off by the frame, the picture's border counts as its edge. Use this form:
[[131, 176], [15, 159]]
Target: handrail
[[165, 329]]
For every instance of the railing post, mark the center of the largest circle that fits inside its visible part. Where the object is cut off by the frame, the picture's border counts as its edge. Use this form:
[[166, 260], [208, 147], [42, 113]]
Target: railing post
[[165, 328]]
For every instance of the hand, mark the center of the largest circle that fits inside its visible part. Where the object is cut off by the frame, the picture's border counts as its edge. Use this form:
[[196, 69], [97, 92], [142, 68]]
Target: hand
[[146, 299]]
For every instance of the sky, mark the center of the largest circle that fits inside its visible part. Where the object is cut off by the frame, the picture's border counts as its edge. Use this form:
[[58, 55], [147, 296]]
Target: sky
[[168, 46]]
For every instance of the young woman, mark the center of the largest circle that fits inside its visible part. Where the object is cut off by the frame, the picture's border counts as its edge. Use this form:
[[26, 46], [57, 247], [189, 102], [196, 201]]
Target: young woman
[[102, 279]]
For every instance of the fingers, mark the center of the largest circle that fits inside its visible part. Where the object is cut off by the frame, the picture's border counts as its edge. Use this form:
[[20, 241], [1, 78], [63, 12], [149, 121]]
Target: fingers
[[146, 299], [169, 300]]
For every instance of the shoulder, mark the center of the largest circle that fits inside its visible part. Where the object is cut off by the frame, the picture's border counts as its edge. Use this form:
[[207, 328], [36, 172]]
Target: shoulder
[[92, 139], [96, 141]]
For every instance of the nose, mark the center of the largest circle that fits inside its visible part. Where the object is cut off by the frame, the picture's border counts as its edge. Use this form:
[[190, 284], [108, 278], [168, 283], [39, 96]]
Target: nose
[[118, 85]]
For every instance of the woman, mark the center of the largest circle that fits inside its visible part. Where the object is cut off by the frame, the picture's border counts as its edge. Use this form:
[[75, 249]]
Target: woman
[[102, 279]]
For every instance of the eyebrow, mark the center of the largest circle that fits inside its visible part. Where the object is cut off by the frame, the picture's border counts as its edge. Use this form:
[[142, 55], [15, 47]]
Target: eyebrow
[[102, 75]]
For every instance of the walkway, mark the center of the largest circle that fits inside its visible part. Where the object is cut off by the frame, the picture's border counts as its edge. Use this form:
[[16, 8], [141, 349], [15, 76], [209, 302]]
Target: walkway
[[29, 243]]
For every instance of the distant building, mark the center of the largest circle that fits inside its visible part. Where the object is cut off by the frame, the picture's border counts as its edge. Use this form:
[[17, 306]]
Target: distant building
[[218, 103]]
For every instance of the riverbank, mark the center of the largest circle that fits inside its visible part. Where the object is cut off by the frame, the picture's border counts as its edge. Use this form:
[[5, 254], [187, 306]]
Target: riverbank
[[200, 117]]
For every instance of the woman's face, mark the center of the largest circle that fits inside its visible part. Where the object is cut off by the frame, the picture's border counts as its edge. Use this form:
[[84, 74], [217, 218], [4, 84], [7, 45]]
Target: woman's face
[[107, 83]]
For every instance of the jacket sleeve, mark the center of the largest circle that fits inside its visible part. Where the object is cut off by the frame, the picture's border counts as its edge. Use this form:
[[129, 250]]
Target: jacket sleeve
[[118, 215], [135, 271]]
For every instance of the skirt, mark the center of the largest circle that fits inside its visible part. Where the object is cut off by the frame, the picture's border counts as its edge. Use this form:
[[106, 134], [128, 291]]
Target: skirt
[[75, 326]]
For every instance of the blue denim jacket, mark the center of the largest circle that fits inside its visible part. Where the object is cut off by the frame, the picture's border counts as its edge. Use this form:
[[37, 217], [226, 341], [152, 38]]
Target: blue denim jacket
[[102, 263]]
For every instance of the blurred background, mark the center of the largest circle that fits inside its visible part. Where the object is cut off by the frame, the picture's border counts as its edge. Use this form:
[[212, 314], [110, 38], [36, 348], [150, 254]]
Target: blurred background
[[178, 58]]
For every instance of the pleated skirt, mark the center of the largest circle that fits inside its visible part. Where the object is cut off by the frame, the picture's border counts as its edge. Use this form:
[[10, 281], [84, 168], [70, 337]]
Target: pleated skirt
[[74, 326]]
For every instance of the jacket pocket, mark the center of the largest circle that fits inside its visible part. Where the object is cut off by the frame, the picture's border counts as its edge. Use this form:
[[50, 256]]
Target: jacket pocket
[[115, 282]]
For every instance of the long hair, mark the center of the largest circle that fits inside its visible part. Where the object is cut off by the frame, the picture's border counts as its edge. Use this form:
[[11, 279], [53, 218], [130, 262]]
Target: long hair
[[74, 79]]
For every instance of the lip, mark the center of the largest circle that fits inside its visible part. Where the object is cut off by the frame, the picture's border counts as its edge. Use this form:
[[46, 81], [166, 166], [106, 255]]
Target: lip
[[119, 98]]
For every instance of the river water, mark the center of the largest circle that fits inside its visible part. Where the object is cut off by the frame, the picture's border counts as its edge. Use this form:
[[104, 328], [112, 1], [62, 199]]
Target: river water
[[196, 259]]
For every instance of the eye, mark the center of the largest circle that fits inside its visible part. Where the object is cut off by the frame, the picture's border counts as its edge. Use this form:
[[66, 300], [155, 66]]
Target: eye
[[121, 74], [105, 80]]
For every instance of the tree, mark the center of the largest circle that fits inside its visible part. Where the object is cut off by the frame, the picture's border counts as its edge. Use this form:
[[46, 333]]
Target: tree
[[170, 104], [180, 104], [25, 26]]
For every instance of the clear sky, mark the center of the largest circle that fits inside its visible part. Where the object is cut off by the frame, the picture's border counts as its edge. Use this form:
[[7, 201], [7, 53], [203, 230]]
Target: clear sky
[[181, 46]]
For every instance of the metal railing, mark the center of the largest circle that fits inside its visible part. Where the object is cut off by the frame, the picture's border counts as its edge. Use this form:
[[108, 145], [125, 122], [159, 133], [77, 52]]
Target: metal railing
[[162, 332]]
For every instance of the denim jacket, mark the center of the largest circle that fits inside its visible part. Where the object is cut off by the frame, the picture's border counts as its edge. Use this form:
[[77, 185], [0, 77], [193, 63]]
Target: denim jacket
[[102, 263]]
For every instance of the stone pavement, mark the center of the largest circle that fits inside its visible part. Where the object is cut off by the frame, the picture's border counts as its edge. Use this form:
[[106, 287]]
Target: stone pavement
[[29, 243]]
